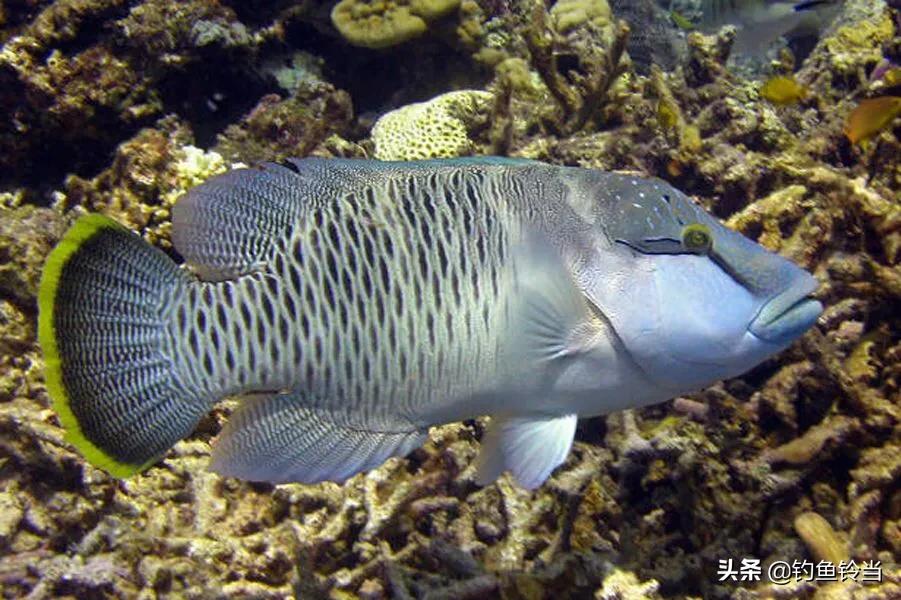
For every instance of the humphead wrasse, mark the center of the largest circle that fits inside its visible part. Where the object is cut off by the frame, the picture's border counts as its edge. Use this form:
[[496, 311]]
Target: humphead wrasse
[[762, 22], [357, 303]]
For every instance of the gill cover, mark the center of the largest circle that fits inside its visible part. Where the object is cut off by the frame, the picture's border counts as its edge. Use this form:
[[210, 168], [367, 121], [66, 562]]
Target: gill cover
[[701, 302]]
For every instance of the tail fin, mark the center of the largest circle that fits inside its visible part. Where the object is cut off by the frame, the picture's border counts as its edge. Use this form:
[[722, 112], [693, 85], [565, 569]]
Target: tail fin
[[103, 296]]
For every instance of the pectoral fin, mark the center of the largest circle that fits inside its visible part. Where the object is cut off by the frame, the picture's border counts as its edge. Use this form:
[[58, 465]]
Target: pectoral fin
[[553, 319], [281, 438], [529, 447]]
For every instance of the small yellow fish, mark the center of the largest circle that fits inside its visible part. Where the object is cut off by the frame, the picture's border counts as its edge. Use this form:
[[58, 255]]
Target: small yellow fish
[[871, 116], [783, 89], [667, 114], [681, 21], [892, 77]]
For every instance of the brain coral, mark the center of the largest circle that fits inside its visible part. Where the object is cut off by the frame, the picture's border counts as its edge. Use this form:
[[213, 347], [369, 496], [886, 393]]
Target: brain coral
[[383, 23], [433, 129]]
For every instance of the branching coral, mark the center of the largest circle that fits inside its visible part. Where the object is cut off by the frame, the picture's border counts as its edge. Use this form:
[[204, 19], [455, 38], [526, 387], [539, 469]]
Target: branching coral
[[580, 92], [821, 539]]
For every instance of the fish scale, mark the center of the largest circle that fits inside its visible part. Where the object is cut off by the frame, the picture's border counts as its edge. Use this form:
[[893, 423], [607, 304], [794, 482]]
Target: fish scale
[[343, 265]]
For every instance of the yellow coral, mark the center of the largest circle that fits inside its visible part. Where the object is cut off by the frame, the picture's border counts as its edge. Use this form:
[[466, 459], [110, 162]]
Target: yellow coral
[[433, 129], [569, 14], [384, 23], [625, 585], [193, 168], [860, 42]]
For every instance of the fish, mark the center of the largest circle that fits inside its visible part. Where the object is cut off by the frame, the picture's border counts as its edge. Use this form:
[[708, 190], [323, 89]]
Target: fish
[[871, 117], [783, 90], [667, 113], [892, 77], [680, 21], [653, 37], [888, 74], [353, 304], [762, 22]]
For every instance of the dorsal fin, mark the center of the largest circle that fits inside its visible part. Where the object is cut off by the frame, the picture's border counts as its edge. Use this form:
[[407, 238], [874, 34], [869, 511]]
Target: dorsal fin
[[228, 225]]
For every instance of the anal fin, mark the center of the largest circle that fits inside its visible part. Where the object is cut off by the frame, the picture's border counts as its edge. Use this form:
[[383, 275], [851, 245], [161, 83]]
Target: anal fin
[[281, 438], [530, 447]]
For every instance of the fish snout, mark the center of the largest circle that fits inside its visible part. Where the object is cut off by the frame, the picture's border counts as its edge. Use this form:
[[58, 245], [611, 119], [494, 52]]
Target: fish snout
[[788, 314]]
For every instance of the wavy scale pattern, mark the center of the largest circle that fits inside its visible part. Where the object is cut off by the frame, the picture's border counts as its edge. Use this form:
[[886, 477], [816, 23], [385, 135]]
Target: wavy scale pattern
[[380, 302]]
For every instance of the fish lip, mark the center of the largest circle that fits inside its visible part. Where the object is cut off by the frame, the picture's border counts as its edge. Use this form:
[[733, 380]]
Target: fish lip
[[789, 314]]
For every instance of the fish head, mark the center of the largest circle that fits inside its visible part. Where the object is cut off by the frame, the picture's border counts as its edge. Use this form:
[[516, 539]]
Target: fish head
[[691, 301]]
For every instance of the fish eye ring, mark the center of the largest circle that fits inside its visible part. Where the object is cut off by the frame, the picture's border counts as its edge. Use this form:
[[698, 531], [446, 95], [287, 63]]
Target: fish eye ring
[[696, 238]]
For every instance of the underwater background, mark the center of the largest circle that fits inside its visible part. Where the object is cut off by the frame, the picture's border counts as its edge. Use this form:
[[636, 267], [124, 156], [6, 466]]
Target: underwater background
[[119, 106]]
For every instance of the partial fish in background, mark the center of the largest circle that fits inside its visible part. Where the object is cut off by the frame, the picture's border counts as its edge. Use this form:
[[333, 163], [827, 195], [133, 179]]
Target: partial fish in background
[[357, 303], [653, 38], [762, 22]]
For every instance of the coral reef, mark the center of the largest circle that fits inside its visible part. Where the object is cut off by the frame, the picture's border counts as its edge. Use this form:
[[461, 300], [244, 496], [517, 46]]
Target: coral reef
[[438, 128], [278, 128], [583, 31], [119, 107], [83, 71]]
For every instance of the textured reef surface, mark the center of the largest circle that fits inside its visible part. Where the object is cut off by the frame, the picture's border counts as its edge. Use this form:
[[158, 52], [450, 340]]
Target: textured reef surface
[[119, 106]]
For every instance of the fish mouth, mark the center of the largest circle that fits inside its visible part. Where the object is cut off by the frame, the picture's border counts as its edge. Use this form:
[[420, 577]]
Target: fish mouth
[[789, 314]]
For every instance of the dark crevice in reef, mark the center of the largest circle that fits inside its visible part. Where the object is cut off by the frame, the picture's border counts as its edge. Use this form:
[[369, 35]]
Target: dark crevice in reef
[[379, 80], [57, 153], [209, 99], [17, 14], [208, 94], [94, 27], [260, 13]]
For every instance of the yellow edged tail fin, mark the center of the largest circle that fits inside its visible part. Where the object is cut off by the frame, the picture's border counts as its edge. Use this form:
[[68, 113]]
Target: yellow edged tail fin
[[101, 331]]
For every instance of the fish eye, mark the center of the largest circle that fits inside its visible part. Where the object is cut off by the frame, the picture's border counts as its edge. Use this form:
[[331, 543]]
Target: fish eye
[[696, 238]]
